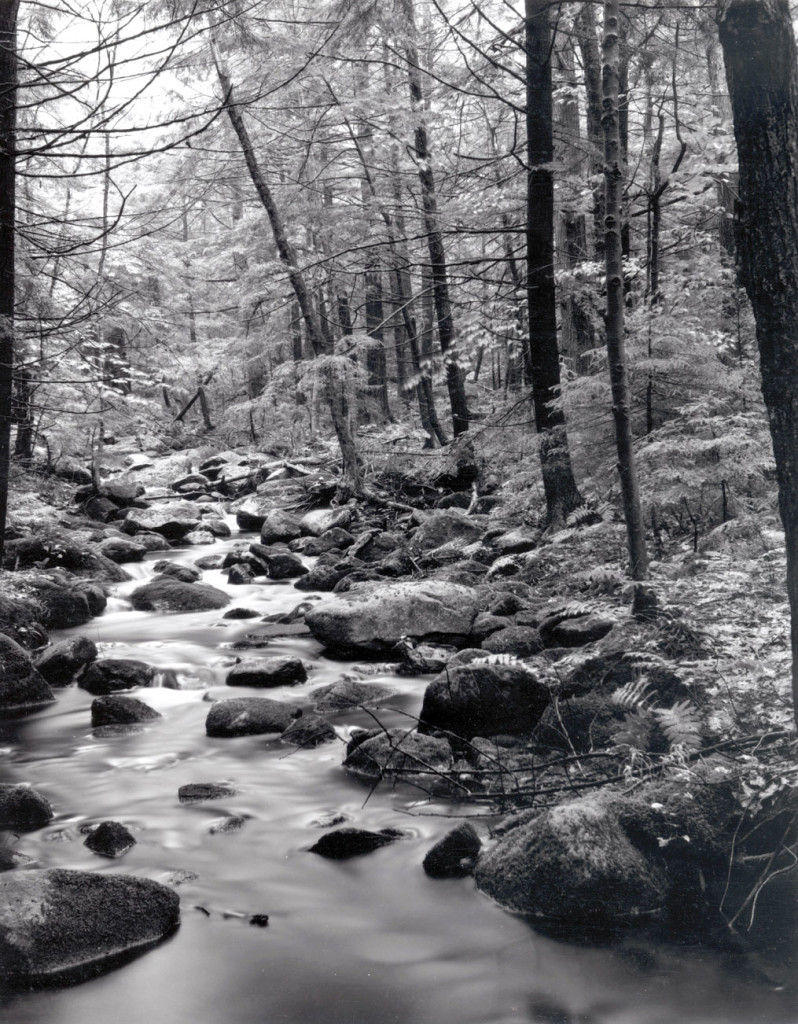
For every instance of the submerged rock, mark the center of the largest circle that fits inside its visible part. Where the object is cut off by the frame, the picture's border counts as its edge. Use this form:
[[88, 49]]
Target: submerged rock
[[247, 716], [22, 808], [167, 594], [55, 921], [375, 617], [193, 792], [352, 842]]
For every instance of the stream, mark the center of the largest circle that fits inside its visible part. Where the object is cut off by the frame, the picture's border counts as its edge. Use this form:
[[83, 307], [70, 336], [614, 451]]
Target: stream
[[371, 940]]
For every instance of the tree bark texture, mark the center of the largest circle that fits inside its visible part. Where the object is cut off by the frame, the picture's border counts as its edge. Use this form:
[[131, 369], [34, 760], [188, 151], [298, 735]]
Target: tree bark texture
[[613, 254], [562, 494], [455, 375], [762, 72], [8, 123], [334, 390]]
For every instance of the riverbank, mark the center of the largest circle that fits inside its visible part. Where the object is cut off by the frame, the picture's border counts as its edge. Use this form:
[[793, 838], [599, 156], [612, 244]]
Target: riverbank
[[556, 587]]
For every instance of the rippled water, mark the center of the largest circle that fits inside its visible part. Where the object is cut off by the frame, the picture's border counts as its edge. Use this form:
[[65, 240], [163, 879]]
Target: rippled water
[[366, 941]]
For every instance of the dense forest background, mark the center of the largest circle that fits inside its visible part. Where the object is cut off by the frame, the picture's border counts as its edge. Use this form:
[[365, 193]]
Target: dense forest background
[[392, 140]]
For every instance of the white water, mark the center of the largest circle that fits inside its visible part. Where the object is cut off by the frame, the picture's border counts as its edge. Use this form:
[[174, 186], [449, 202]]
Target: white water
[[366, 941]]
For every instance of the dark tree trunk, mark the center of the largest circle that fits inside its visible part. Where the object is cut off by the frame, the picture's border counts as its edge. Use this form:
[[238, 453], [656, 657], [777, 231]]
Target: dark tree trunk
[[762, 71], [616, 349], [8, 123], [562, 495]]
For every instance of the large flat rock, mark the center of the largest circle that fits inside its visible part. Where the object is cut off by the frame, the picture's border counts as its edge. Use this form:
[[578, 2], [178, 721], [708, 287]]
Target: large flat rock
[[374, 617]]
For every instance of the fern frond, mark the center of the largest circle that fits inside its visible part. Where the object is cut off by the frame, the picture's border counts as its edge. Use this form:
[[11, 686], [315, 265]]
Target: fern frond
[[502, 659], [635, 731], [572, 610], [681, 725], [634, 694]]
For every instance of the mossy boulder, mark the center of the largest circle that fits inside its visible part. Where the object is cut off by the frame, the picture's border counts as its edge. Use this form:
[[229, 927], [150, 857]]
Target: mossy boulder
[[54, 922], [22, 688], [574, 863], [483, 698]]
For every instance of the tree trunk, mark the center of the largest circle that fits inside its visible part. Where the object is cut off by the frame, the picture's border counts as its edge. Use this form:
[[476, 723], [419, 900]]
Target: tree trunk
[[762, 72], [380, 411], [455, 376], [8, 124], [562, 495], [333, 389], [613, 250]]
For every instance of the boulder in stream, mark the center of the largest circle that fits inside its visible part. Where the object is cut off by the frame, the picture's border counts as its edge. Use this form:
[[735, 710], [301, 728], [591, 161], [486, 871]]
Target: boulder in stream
[[247, 716], [347, 694], [22, 809], [122, 549], [344, 843], [110, 839], [401, 754], [173, 520], [279, 525], [484, 698], [167, 594], [574, 863], [112, 674], [54, 922], [455, 855], [266, 672], [22, 688], [184, 573], [374, 617], [309, 731], [320, 520], [114, 710], [60, 663]]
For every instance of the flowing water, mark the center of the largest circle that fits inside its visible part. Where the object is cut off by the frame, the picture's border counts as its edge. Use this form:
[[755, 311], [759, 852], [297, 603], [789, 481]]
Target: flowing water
[[370, 940]]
